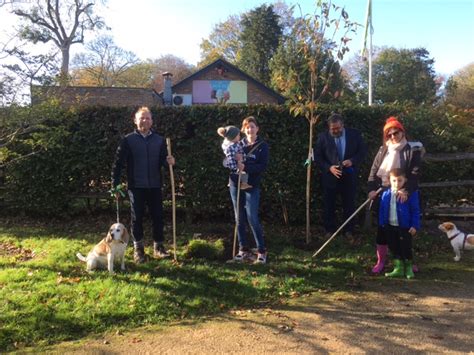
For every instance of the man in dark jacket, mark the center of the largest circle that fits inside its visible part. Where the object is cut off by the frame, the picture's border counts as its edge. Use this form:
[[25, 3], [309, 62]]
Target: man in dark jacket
[[144, 153], [338, 153]]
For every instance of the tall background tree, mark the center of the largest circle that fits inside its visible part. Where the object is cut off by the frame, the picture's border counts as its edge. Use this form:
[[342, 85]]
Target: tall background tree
[[223, 42], [398, 75], [63, 22], [356, 73], [139, 75], [460, 88], [173, 64], [260, 37], [108, 65], [103, 64], [404, 75]]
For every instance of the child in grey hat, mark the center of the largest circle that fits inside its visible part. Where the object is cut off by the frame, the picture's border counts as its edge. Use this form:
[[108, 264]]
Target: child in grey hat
[[234, 153]]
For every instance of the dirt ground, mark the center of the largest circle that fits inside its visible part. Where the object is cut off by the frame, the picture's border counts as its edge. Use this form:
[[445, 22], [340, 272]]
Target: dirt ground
[[390, 316]]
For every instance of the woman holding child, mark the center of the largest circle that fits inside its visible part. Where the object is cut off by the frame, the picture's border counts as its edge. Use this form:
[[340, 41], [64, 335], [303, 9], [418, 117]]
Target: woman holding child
[[396, 152], [254, 164]]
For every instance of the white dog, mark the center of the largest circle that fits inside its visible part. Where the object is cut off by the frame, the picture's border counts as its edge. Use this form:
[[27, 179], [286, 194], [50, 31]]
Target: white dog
[[110, 249], [459, 240]]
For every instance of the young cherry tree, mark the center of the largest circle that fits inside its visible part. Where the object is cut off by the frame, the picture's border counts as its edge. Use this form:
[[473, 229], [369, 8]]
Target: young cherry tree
[[306, 69]]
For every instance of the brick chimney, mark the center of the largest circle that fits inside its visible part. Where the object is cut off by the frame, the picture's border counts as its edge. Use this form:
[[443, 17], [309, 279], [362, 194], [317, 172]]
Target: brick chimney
[[167, 94]]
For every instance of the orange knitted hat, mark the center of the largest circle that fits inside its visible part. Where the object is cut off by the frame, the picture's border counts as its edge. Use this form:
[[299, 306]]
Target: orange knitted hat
[[392, 122]]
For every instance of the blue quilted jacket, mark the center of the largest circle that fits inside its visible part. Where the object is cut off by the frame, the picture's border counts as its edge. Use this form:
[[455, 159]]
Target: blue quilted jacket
[[408, 213]]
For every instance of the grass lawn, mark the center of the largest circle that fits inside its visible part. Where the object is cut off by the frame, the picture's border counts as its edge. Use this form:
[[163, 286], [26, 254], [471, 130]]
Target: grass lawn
[[47, 296]]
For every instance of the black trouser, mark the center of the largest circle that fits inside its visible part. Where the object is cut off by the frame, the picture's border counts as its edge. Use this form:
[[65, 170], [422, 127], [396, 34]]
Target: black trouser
[[381, 237], [346, 188], [399, 242], [153, 199]]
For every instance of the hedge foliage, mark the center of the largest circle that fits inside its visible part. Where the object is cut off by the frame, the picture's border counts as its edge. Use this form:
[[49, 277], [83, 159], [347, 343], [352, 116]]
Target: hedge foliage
[[74, 151]]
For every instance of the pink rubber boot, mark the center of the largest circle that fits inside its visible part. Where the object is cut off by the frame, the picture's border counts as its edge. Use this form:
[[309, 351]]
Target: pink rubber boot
[[381, 257]]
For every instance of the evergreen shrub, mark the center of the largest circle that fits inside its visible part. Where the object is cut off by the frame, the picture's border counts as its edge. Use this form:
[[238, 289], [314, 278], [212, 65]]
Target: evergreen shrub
[[67, 153]]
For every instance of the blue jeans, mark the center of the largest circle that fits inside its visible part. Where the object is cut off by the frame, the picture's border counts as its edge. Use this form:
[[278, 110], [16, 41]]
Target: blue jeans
[[248, 212]]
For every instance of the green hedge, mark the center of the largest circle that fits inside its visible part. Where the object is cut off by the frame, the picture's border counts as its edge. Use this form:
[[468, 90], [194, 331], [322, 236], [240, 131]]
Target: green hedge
[[75, 150]]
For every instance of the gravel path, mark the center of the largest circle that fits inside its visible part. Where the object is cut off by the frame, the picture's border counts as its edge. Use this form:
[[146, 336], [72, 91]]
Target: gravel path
[[389, 316]]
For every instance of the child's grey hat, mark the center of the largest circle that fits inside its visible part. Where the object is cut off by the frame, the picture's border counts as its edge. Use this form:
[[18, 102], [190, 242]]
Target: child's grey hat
[[229, 132]]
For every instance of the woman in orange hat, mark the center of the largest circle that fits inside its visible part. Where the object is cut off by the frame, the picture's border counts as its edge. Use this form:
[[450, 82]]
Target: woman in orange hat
[[396, 152]]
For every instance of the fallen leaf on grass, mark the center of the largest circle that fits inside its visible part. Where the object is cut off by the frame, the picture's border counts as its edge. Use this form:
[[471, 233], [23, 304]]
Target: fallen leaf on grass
[[268, 312], [438, 337], [67, 280], [136, 340], [238, 313], [20, 254]]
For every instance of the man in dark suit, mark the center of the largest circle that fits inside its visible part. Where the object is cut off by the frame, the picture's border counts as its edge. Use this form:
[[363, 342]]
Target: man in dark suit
[[338, 153]]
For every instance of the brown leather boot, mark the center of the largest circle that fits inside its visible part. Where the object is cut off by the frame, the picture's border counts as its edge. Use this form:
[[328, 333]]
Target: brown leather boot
[[159, 251], [139, 254]]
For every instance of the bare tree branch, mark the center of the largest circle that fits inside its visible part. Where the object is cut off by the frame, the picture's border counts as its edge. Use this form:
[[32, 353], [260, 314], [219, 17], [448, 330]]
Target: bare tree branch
[[62, 22]]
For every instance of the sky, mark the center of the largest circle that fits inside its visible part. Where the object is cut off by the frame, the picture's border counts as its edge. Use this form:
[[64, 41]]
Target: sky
[[152, 28]]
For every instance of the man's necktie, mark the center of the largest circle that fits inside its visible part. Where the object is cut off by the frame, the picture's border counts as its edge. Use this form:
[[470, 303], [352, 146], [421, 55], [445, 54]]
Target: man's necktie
[[339, 149]]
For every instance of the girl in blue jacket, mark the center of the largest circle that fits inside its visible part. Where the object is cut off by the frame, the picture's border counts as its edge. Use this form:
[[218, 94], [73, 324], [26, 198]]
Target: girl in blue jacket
[[399, 221]]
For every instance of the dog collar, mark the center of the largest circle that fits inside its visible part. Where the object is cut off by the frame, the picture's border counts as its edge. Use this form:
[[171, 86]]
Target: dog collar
[[454, 236]]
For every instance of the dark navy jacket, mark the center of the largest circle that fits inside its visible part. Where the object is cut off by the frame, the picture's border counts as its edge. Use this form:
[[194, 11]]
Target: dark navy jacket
[[325, 154], [144, 157], [255, 163], [408, 213]]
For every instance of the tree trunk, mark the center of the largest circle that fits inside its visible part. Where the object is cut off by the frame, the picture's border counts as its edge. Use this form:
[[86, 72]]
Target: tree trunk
[[64, 74]]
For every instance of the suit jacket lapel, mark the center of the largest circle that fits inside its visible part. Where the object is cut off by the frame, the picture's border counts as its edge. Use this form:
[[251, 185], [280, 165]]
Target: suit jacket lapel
[[332, 149], [349, 144]]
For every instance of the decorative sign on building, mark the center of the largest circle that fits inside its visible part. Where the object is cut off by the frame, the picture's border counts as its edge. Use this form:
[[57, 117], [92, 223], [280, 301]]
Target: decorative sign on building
[[219, 91]]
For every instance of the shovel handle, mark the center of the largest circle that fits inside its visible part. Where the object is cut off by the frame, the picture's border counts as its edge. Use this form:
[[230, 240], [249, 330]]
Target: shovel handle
[[173, 197], [344, 224]]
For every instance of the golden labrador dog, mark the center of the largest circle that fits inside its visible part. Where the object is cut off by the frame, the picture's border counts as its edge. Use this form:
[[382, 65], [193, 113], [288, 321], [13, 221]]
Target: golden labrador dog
[[110, 249], [459, 241]]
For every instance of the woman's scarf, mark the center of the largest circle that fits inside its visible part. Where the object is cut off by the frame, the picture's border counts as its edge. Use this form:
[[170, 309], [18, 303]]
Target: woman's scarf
[[391, 160]]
